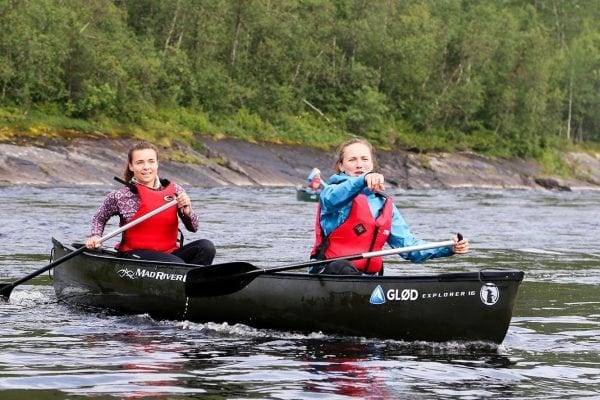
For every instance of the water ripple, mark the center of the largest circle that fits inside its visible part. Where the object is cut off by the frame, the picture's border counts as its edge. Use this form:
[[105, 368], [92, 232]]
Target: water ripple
[[552, 346]]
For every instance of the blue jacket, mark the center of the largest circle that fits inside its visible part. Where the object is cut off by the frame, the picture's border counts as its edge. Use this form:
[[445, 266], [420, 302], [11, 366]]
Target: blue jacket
[[336, 200]]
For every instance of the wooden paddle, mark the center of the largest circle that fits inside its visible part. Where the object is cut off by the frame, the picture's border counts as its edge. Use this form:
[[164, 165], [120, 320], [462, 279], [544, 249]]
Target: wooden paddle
[[227, 278], [7, 288]]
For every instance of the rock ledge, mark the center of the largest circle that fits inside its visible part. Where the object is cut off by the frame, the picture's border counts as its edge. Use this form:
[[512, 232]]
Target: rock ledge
[[86, 161]]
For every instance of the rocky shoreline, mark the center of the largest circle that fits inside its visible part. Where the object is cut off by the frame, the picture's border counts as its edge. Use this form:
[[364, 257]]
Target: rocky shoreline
[[95, 161]]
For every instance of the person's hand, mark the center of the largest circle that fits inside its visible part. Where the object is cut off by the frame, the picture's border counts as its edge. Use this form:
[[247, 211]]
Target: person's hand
[[93, 242], [375, 182], [184, 203], [461, 245]]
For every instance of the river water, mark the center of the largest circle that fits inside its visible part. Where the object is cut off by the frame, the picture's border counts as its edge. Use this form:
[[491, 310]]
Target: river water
[[552, 348]]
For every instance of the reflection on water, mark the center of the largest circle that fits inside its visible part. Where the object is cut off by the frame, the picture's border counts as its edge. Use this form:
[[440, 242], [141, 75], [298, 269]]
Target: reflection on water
[[552, 345]]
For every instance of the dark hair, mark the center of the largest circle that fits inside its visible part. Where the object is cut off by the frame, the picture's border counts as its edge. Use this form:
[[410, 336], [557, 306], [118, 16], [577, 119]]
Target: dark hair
[[342, 147], [128, 174]]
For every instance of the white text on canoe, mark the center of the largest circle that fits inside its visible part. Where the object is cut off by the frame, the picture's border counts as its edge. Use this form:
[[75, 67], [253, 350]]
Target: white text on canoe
[[144, 273]]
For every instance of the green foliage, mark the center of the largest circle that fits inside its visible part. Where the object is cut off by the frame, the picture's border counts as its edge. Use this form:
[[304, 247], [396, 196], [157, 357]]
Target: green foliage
[[195, 121], [366, 112], [423, 142], [489, 143], [94, 100], [553, 163], [506, 78], [310, 129], [250, 126]]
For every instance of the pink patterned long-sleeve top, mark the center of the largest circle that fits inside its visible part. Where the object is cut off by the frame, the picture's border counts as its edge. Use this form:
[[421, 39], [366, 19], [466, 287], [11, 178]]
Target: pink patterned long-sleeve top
[[124, 203]]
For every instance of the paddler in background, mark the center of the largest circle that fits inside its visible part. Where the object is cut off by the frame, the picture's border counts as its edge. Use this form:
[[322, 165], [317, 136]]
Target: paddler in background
[[314, 181]]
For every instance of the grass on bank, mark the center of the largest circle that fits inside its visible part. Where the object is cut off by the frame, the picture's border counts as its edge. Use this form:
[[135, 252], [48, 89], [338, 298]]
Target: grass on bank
[[168, 126]]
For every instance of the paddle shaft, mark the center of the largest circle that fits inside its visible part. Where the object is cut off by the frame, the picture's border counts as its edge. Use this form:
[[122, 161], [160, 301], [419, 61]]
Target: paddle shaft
[[380, 253], [223, 272], [227, 278], [7, 288]]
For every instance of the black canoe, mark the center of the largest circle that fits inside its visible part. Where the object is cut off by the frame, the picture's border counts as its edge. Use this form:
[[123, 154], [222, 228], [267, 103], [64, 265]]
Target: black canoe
[[303, 194], [461, 306]]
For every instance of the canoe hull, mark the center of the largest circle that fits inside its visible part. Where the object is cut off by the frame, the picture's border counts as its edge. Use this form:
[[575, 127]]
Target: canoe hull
[[472, 306]]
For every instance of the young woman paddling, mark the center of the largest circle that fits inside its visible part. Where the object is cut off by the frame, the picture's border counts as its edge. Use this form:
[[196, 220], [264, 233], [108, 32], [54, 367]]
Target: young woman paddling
[[355, 216], [157, 237]]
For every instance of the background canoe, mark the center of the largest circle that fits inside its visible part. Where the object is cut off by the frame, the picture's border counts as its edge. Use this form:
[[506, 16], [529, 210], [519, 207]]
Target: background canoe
[[303, 195]]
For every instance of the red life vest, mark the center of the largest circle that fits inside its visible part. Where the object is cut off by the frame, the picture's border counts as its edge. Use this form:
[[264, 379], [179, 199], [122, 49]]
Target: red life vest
[[158, 233], [359, 233]]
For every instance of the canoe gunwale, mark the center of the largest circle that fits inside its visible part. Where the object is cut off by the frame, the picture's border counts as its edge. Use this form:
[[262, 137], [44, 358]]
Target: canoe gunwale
[[482, 274]]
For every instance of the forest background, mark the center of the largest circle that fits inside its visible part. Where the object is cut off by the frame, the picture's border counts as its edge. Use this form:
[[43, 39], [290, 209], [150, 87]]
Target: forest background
[[507, 79]]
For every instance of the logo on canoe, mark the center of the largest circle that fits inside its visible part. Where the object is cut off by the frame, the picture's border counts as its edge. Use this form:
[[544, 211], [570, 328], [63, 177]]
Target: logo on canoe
[[143, 273], [489, 294], [377, 296]]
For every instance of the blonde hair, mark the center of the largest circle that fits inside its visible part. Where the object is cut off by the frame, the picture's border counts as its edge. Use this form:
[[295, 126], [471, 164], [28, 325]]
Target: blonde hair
[[342, 147], [128, 174]]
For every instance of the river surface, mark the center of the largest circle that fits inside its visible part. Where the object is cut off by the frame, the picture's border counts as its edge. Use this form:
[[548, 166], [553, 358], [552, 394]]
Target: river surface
[[551, 351]]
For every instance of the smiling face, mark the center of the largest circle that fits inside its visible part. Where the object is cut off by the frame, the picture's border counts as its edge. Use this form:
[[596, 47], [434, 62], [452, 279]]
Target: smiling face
[[356, 159], [144, 165]]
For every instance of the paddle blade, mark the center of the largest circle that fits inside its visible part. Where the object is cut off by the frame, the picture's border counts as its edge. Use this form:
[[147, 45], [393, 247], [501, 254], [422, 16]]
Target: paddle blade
[[5, 290], [218, 279]]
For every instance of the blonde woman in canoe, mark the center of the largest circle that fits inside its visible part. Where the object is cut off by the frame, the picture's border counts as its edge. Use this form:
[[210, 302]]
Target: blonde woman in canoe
[[355, 216]]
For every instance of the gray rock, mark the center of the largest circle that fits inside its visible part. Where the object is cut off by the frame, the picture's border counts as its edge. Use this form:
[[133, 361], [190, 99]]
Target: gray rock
[[90, 161]]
